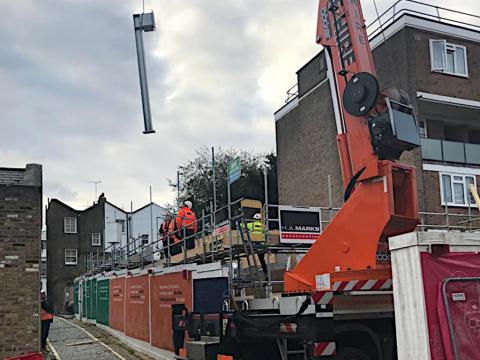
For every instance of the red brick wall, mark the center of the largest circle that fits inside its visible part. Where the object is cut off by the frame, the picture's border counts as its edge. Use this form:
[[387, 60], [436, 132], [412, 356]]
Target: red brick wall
[[457, 214], [438, 83], [306, 146]]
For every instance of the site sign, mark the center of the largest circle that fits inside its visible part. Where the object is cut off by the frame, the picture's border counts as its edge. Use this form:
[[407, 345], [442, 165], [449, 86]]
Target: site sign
[[299, 224], [234, 170], [221, 228]]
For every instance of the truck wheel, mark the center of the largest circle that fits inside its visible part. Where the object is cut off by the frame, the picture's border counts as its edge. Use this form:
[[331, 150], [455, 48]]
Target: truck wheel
[[350, 353]]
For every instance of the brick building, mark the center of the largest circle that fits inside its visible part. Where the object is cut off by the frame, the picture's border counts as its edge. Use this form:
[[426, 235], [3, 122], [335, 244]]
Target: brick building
[[438, 63], [71, 234], [75, 237], [20, 227]]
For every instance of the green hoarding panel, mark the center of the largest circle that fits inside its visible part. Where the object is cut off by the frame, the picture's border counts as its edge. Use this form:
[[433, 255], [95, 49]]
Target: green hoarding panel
[[94, 302], [103, 298], [75, 297], [86, 297], [92, 299]]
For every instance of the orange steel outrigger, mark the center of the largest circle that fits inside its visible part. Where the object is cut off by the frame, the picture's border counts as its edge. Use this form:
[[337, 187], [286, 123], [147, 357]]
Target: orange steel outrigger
[[374, 132]]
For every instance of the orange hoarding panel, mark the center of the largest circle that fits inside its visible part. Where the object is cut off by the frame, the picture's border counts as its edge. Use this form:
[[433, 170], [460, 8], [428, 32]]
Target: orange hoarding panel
[[167, 290], [224, 357], [137, 308], [117, 304]]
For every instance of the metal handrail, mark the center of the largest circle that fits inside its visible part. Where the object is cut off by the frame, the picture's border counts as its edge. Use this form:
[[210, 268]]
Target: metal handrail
[[135, 253], [292, 93], [112, 255], [393, 12]]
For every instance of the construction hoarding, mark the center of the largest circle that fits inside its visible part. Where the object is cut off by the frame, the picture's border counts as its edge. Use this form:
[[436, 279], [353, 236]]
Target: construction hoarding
[[137, 308], [92, 306], [75, 297], [167, 290], [103, 299], [86, 298], [452, 294], [117, 304], [140, 305], [209, 294], [436, 290]]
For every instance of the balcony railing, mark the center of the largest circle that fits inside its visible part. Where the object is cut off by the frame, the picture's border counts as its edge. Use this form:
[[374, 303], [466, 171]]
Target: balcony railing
[[424, 10], [450, 151]]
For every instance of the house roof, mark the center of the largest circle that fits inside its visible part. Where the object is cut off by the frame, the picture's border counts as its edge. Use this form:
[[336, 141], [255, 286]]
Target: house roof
[[147, 205], [63, 204], [107, 202], [116, 207]]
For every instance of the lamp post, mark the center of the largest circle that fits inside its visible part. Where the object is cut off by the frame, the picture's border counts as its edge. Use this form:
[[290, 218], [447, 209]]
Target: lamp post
[[144, 22]]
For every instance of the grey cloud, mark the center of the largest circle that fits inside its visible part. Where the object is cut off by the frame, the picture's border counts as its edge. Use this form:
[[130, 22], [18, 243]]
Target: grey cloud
[[59, 190], [70, 94]]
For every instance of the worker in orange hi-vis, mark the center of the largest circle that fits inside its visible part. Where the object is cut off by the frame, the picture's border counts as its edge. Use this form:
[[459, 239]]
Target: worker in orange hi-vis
[[187, 220], [174, 240], [165, 228], [46, 317]]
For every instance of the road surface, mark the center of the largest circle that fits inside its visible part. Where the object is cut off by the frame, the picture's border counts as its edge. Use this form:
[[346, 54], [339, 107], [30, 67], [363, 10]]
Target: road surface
[[72, 340]]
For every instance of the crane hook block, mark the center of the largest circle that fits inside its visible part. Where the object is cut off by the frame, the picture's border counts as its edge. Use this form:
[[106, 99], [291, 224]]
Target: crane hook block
[[360, 94]]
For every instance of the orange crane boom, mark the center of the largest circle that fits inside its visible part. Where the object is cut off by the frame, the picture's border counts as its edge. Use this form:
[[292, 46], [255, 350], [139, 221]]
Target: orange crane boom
[[375, 129]]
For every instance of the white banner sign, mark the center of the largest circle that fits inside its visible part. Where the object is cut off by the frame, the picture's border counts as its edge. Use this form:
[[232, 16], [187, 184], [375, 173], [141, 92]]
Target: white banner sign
[[299, 224]]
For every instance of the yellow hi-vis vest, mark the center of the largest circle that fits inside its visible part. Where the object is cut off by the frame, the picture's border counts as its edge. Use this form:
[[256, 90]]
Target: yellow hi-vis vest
[[255, 226]]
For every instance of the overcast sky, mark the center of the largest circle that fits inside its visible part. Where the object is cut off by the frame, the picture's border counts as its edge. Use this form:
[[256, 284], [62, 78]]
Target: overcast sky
[[217, 69]]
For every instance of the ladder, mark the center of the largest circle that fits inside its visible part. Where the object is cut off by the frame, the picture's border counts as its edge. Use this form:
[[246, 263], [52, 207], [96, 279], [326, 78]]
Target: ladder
[[286, 354], [250, 252]]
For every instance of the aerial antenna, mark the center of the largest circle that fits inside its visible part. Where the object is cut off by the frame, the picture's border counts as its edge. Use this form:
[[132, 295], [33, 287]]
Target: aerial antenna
[[143, 22], [95, 182]]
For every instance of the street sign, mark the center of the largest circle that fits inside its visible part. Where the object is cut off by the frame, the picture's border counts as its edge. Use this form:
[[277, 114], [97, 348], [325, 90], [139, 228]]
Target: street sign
[[234, 170]]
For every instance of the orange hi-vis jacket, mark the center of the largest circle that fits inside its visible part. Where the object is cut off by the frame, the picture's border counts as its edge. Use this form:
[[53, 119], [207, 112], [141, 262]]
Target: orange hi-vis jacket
[[187, 218], [164, 229], [171, 231], [44, 315]]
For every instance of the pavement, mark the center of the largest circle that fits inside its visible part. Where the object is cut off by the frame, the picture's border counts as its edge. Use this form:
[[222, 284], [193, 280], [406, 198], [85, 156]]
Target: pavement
[[73, 340]]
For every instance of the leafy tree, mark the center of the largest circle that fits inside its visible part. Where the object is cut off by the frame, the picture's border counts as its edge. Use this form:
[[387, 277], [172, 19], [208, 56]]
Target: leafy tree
[[196, 182]]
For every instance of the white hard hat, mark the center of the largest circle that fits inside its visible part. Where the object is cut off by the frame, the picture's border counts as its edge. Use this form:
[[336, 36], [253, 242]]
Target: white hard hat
[[257, 216], [188, 204]]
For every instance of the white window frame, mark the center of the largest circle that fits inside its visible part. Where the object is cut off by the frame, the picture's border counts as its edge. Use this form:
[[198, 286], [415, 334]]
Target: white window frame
[[122, 225], [446, 47], [71, 256], [69, 231], [466, 191], [96, 239], [422, 133]]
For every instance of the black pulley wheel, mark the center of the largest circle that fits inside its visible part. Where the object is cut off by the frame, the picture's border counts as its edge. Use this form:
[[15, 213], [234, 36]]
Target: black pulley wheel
[[360, 94]]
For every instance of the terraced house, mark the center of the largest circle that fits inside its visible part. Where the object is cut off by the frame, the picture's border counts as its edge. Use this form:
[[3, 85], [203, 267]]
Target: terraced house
[[77, 237]]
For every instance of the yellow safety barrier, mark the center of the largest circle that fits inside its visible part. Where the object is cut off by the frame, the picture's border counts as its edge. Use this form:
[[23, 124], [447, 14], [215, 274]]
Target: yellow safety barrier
[[474, 192]]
